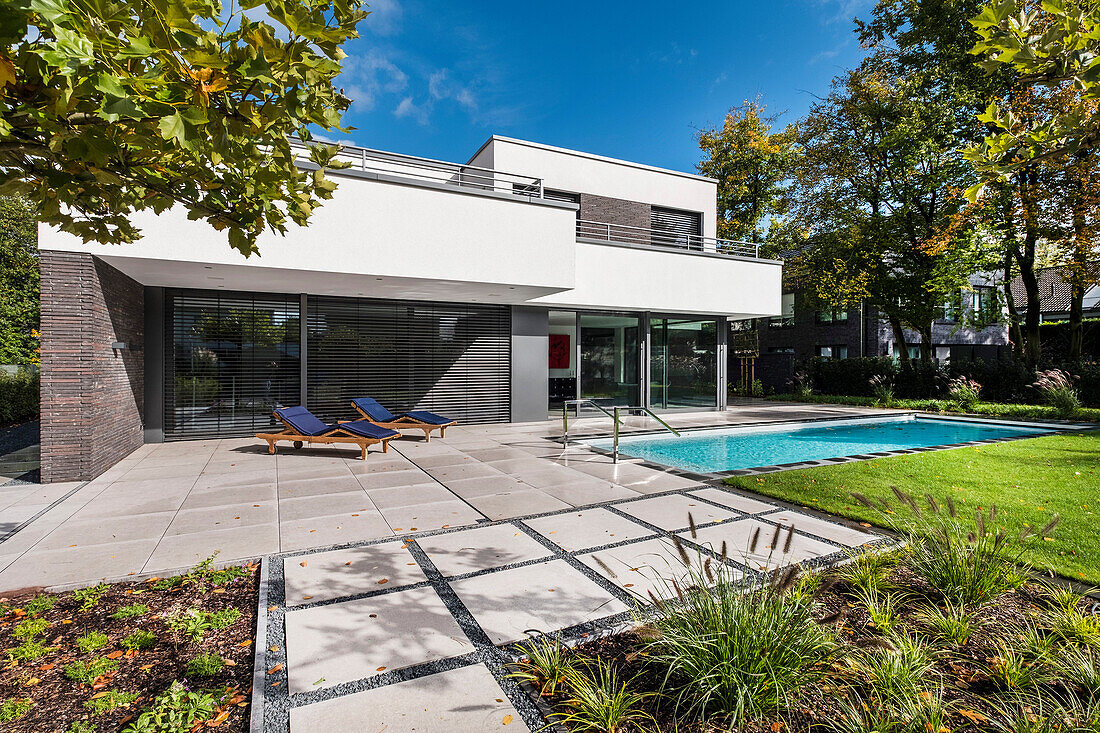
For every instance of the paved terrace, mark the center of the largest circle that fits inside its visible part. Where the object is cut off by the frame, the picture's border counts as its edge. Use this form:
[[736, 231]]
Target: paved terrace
[[393, 587], [169, 505]]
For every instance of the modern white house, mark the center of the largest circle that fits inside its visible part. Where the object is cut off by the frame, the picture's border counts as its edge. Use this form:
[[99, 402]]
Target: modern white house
[[489, 291]]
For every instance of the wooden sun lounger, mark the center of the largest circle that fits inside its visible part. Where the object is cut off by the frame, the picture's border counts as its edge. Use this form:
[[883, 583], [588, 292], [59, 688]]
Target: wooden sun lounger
[[405, 422], [336, 435]]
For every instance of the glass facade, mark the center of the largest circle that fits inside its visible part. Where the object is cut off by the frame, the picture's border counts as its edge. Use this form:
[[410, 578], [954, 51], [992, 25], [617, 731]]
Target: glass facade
[[232, 359], [683, 363], [609, 358]]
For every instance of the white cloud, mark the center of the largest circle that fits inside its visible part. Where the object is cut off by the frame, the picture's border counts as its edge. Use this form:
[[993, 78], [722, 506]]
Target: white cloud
[[407, 108], [440, 86], [366, 78], [384, 18]]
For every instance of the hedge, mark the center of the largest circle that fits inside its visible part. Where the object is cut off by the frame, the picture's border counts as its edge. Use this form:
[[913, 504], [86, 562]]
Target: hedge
[[1006, 382], [18, 396], [990, 409]]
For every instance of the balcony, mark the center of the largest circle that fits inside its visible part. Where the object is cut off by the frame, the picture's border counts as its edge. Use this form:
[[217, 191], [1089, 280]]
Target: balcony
[[389, 166], [642, 237]]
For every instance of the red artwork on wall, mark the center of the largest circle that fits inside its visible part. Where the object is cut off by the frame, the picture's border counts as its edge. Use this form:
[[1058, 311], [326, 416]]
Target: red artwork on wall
[[559, 351]]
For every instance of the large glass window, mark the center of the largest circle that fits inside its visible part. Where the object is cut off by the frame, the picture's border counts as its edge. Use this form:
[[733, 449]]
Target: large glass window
[[232, 360], [683, 363], [562, 358], [609, 359]]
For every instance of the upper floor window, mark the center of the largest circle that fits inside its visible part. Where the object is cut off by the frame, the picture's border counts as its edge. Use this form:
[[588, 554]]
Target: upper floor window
[[839, 351], [951, 309], [833, 315], [673, 227], [787, 318]]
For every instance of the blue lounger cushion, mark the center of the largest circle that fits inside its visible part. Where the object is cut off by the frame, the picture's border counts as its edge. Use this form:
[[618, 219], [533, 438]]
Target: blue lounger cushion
[[304, 421], [429, 417], [373, 409], [368, 429]]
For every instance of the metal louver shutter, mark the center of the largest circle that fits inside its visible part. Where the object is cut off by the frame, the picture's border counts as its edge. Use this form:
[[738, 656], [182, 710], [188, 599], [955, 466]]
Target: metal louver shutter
[[452, 359], [673, 221], [230, 359]]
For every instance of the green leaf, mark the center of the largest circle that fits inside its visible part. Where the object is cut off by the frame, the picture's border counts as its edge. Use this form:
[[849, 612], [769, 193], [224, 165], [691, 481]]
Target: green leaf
[[108, 84], [115, 108], [51, 10], [173, 127], [140, 47]]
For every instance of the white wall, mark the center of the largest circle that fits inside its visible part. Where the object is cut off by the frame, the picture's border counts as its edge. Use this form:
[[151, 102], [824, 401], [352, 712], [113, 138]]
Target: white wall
[[372, 228], [570, 170], [624, 278]]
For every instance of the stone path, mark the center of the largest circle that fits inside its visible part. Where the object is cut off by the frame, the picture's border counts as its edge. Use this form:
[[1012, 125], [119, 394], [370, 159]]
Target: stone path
[[414, 633]]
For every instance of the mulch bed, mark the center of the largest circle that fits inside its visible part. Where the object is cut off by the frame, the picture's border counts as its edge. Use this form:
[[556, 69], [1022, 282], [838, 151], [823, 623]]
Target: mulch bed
[[968, 691], [57, 702]]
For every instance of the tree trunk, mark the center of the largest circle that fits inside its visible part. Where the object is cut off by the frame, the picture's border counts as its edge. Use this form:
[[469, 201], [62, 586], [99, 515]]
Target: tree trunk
[[1079, 258], [1015, 333], [900, 343], [925, 332], [1028, 183]]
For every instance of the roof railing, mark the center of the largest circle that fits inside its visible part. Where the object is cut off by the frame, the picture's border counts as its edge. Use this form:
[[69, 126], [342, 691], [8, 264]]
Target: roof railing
[[436, 171], [647, 237]]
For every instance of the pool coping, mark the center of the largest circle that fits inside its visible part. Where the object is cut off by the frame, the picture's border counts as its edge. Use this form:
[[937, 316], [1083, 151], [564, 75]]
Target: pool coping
[[1059, 428]]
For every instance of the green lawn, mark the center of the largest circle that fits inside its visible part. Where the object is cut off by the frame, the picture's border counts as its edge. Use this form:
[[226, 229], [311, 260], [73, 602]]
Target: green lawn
[[1030, 480]]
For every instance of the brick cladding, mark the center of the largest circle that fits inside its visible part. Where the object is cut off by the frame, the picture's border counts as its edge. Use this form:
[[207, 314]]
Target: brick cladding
[[614, 211], [92, 395]]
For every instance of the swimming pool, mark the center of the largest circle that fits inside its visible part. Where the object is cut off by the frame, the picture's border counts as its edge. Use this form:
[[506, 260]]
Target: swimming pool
[[728, 449]]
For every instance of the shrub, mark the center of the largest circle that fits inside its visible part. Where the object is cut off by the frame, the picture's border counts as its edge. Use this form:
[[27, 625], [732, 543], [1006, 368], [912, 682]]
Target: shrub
[[953, 623], [18, 396], [108, 700], [205, 665], [91, 641], [882, 389], [601, 702], [89, 671], [802, 385], [1009, 669], [14, 709], [544, 665], [1066, 620], [139, 640], [81, 726], [30, 628], [176, 709], [968, 568], [1056, 387], [882, 608], [29, 651], [964, 392], [40, 604], [194, 623], [868, 571], [225, 618], [88, 598], [132, 611], [896, 671], [735, 651]]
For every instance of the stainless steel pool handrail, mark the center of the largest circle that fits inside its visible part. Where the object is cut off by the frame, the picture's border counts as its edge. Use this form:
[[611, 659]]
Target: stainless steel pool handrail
[[615, 428], [577, 403]]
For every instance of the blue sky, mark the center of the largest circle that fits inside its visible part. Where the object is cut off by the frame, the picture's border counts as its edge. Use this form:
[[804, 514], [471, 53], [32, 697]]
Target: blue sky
[[628, 80]]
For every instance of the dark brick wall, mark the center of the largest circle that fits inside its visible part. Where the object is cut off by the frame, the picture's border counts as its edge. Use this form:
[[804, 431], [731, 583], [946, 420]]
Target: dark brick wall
[[806, 334], [92, 395], [614, 211]]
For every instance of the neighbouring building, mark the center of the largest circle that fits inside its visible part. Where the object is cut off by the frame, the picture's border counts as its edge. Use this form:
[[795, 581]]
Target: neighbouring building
[[466, 289], [802, 332], [1055, 294]]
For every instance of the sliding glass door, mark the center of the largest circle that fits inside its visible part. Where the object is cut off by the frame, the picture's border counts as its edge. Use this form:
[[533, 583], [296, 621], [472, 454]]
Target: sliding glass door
[[609, 358], [683, 363]]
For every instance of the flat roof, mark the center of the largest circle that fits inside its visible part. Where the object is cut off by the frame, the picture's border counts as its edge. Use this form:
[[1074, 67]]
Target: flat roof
[[590, 156]]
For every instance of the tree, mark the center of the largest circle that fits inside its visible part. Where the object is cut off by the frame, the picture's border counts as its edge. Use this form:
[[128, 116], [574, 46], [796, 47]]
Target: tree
[[115, 107], [877, 190], [18, 282], [1055, 43], [752, 164]]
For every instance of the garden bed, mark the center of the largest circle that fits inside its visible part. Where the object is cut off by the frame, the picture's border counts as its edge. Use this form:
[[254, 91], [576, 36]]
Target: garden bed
[[120, 657], [946, 635]]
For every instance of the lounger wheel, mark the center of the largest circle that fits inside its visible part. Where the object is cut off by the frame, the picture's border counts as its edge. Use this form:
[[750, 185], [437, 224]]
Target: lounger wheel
[[297, 445]]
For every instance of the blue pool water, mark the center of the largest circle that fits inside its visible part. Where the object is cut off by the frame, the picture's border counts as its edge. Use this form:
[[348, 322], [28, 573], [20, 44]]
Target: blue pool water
[[728, 449]]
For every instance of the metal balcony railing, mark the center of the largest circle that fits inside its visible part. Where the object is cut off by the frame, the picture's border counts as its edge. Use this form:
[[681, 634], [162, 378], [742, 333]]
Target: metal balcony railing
[[436, 171], [623, 234]]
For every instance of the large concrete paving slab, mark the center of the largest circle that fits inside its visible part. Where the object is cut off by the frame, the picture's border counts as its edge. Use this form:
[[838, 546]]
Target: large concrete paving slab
[[472, 550], [322, 576], [353, 640], [544, 597], [466, 700], [586, 529]]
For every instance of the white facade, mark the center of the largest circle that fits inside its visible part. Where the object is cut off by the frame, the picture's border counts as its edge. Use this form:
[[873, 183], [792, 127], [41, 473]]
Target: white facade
[[398, 228]]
